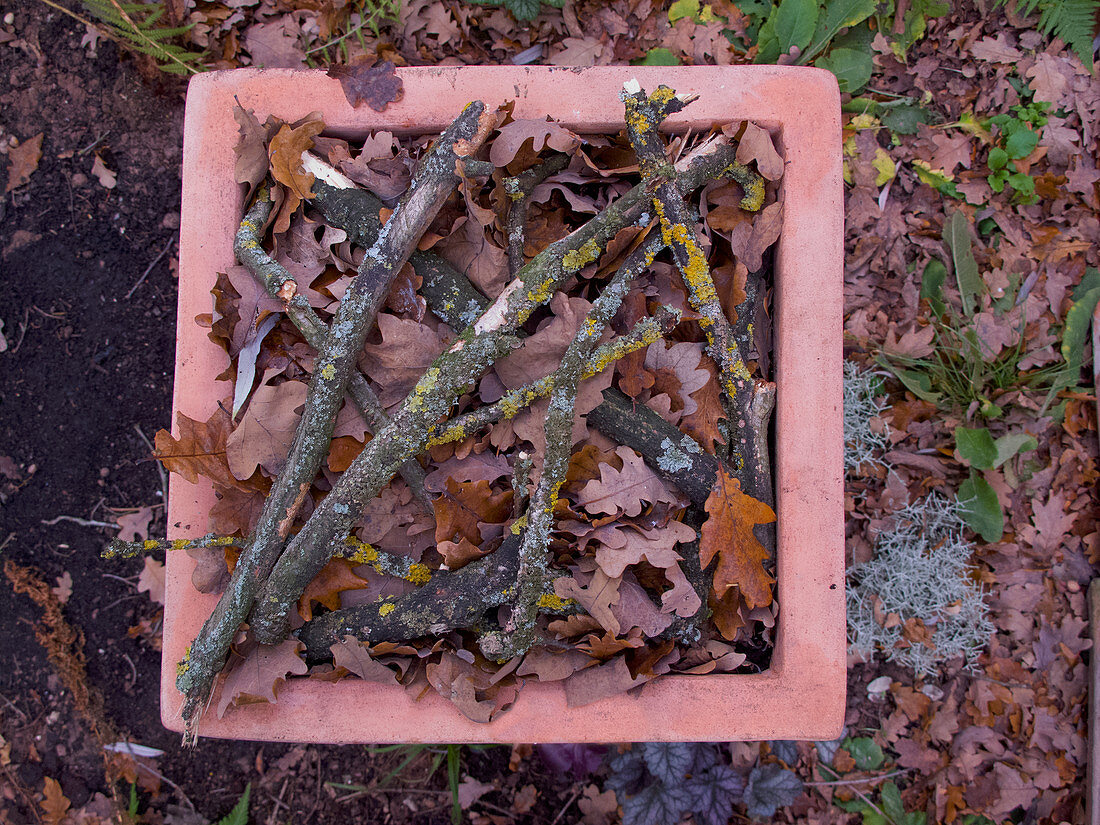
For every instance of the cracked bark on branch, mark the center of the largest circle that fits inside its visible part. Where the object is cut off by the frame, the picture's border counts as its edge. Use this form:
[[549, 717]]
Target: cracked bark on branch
[[477, 348], [435, 178], [274, 278], [747, 398]]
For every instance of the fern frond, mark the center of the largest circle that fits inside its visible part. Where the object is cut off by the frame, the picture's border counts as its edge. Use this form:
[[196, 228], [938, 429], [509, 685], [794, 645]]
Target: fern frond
[[1072, 21], [135, 25]]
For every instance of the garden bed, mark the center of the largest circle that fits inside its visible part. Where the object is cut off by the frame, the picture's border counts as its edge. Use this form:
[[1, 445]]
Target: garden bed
[[808, 655]]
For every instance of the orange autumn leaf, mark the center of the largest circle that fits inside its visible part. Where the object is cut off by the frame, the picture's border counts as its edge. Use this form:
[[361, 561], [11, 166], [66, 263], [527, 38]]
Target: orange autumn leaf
[[728, 534], [285, 152], [334, 578], [199, 450]]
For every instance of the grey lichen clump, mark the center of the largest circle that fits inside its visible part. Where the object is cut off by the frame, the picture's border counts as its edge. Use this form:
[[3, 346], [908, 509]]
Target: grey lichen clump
[[865, 433], [673, 457], [921, 571]]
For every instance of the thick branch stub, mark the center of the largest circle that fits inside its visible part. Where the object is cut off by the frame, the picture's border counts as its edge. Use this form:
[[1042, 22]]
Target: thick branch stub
[[476, 349], [451, 600], [449, 294]]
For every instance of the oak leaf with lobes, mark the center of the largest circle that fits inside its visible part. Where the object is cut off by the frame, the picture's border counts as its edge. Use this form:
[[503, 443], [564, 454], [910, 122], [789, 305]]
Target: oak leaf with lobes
[[728, 534]]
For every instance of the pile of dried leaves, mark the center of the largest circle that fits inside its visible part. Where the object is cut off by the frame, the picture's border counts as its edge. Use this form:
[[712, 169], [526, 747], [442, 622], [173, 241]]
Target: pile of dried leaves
[[625, 585]]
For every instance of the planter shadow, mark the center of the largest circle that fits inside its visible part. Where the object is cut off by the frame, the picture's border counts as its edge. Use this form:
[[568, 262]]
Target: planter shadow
[[802, 694]]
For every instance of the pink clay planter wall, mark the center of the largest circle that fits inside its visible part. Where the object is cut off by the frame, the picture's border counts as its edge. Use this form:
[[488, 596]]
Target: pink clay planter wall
[[802, 695]]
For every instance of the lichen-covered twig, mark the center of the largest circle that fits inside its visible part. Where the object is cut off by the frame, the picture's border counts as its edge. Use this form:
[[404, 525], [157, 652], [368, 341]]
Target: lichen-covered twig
[[643, 117], [274, 278], [532, 576], [435, 178], [519, 190], [118, 549], [476, 349], [642, 334], [450, 599]]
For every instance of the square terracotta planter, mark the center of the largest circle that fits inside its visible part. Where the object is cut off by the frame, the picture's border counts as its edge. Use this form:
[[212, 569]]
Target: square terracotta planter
[[802, 695]]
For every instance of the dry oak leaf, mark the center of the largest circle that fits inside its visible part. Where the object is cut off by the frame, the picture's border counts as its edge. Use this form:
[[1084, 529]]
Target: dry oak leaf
[[251, 149], [541, 133], [254, 678], [199, 450], [407, 350], [466, 505], [624, 490], [756, 144], [728, 534], [64, 587], [55, 805], [352, 655], [134, 526], [486, 466], [326, 587], [151, 580], [107, 179], [266, 431], [285, 153], [749, 239], [22, 161], [378, 86]]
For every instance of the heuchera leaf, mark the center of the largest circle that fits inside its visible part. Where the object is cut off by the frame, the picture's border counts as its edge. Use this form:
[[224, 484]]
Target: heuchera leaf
[[657, 804], [627, 770], [770, 788], [669, 762], [728, 533], [713, 793]]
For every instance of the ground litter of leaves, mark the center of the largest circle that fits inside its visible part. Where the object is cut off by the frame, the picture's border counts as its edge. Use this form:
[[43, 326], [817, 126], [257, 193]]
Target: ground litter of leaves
[[1005, 739]]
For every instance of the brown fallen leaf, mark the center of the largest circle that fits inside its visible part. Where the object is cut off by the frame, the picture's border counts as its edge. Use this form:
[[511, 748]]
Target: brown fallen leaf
[[465, 506], [285, 153], [350, 654], [55, 805], [756, 144], [134, 526], [728, 534], [199, 450], [267, 429], [151, 580], [107, 179], [254, 678], [22, 161], [624, 490], [64, 587], [326, 587], [378, 86], [541, 133]]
